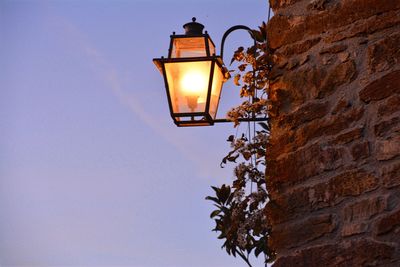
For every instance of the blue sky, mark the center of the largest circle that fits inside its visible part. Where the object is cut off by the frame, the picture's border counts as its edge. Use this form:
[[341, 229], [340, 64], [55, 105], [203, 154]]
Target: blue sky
[[92, 170]]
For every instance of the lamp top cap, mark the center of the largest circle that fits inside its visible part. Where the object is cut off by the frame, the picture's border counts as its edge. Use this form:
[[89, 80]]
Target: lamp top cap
[[193, 28]]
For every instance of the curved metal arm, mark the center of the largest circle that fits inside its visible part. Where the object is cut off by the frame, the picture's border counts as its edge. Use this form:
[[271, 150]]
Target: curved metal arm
[[231, 29]]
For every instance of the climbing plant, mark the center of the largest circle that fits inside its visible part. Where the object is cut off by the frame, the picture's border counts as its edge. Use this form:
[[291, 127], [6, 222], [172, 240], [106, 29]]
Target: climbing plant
[[239, 216]]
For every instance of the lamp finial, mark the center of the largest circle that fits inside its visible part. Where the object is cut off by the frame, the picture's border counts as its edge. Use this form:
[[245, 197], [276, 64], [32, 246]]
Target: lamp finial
[[193, 28]]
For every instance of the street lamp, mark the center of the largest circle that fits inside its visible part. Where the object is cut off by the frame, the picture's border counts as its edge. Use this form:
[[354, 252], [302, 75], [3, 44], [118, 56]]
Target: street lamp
[[194, 75]]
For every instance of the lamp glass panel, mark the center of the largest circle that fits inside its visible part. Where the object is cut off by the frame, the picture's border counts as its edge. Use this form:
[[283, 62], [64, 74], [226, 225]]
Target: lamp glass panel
[[188, 85], [218, 80], [191, 47]]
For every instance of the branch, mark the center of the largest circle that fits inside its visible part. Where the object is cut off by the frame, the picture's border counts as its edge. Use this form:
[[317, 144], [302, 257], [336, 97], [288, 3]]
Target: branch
[[246, 259]]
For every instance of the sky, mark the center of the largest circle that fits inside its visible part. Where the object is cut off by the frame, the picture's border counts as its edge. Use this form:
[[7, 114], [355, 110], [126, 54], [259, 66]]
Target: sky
[[93, 172]]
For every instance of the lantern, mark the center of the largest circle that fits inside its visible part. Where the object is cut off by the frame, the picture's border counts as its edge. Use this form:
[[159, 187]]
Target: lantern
[[193, 77]]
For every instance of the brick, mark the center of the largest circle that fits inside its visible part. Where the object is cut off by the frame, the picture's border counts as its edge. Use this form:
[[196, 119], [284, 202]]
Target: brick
[[281, 144], [292, 63], [284, 30], [300, 47], [341, 74], [390, 106], [334, 148], [388, 223], [276, 4], [347, 184], [384, 54], [356, 252], [360, 150], [342, 106], [354, 229], [285, 207], [328, 59], [387, 127], [330, 126], [315, 82], [303, 59], [391, 175], [304, 163], [282, 99], [364, 209], [349, 136], [366, 26], [387, 149], [344, 56], [304, 200], [333, 49], [381, 88], [301, 232], [277, 71], [306, 113], [300, 84], [318, 5], [284, 141]]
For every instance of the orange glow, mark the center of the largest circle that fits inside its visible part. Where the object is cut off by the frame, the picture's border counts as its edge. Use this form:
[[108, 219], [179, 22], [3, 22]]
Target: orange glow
[[188, 86], [194, 81], [191, 47]]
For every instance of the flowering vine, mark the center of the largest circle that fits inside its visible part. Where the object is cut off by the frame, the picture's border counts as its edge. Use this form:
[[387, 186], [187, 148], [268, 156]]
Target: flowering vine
[[239, 216]]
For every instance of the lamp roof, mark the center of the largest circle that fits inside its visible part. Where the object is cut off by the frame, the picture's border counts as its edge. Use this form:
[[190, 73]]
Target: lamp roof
[[193, 28]]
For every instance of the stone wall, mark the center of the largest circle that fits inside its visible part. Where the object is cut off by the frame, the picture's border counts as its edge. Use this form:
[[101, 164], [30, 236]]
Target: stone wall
[[334, 155]]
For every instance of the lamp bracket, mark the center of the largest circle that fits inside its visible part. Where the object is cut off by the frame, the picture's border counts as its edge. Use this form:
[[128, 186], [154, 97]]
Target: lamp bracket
[[229, 31], [232, 29], [241, 120]]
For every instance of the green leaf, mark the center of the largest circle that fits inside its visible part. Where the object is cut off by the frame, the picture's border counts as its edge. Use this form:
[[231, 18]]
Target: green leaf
[[257, 251], [221, 236], [259, 57], [223, 162], [218, 206], [246, 155], [214, 213], [234, 252], [242, 67], [228, 250], [264, 125], [253, 206], [229, 200], [216, 200], [216, 189], [233, 158], [224, 193], [239, 184], [236, 79], [249, 249]]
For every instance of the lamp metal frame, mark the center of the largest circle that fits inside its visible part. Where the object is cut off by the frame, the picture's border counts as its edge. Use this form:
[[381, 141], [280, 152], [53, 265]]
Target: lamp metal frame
[[215, 60]]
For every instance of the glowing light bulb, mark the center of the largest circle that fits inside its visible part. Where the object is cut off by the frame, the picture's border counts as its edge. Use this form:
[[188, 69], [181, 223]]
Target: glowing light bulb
[[194, 82]]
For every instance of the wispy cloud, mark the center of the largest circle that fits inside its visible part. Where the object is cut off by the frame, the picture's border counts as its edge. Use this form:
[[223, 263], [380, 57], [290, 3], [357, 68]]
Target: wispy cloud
[[113, 80]]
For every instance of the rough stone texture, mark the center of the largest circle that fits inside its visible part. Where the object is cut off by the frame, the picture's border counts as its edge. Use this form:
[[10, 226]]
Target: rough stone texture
[[387, 127], [390, 106], [384, 54], [293, 235], [387, 149], [388, 223], [306, 199], [364, 209], [391, 175], [357, 252], [381, 88], [333, 162], [286, 29]]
